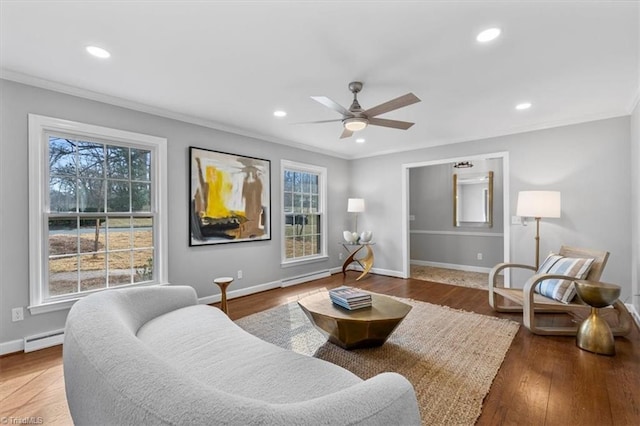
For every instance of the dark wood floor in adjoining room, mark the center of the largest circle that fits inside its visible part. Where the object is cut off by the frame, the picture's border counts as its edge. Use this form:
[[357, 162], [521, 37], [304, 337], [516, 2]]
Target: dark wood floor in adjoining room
[[542, 381]]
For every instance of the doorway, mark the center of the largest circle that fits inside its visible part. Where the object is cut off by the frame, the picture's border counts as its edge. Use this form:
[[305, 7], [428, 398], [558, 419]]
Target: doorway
[[430, 234]]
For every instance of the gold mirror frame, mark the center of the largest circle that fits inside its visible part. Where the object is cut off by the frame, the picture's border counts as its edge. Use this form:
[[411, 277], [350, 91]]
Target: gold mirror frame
[[489, 206]]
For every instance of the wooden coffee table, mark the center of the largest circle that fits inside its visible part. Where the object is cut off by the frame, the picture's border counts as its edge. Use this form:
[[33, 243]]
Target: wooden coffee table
[[361, 328]]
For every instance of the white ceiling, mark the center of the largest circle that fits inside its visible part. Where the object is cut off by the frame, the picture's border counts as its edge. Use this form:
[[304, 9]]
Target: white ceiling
[[231, 64]]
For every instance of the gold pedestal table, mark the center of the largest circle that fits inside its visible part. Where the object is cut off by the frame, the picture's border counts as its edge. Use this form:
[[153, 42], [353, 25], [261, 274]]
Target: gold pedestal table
[[365, 262], [594, 334], [360, 328]]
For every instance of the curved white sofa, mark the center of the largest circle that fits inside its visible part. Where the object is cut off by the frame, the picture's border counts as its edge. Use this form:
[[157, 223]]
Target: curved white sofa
[[152, 355]]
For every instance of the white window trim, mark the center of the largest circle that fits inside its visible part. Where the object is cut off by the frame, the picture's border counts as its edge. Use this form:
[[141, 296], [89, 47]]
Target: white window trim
[[322, 184], [39, 126]]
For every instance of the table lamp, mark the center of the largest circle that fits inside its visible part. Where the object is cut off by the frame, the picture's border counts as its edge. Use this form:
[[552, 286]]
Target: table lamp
[[538, 204], [355, 205]]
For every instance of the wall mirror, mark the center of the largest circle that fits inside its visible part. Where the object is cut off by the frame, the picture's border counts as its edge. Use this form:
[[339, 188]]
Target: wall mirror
[[473, 199]]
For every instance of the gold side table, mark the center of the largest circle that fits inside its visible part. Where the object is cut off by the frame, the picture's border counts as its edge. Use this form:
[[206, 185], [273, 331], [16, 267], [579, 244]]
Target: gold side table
[[223, 283], [594, 334], [365, 262]]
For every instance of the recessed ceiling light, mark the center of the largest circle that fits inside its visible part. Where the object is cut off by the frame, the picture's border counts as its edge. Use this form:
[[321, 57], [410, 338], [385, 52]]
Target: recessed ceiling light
[[98, 52], [488, 35], [360, 140], [279, 113], [524, 105]]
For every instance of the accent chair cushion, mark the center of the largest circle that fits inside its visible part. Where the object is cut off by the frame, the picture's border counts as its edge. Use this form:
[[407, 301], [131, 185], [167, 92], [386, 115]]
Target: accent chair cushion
[[562, 290]]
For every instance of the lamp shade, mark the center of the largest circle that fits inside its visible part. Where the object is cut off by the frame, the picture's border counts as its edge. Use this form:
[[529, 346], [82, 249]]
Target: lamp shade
[[538, 204], [355, 205]]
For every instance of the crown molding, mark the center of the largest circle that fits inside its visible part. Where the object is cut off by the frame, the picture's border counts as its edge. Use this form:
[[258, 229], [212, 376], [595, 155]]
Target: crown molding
[[161, 112], [502, 133]]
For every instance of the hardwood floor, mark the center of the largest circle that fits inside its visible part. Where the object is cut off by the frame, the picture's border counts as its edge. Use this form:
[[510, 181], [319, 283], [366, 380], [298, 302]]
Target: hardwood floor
[[542, 381]]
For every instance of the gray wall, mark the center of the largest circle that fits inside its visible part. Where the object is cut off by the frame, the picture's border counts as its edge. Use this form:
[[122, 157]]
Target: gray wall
[[589, 163], [195, 266], [635, 197], [431, 204]]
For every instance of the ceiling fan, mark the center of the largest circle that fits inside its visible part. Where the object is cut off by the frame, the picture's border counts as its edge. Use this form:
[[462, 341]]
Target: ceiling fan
[[355, 118]]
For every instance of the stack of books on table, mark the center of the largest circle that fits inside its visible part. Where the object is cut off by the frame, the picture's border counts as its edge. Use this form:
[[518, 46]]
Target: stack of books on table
[[350, 297]]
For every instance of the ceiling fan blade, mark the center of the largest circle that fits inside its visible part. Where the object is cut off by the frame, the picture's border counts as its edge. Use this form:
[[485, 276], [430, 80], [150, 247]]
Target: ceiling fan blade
[[332, 104], [316, 122], [346, 134], [393, 104], [396, 124]]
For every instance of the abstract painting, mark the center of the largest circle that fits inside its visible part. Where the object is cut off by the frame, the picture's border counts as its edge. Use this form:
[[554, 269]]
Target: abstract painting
[[230, 198]]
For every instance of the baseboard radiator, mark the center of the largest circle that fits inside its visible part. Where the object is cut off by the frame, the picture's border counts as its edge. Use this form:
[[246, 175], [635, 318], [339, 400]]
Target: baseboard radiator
[[44, 340], [304, 278]]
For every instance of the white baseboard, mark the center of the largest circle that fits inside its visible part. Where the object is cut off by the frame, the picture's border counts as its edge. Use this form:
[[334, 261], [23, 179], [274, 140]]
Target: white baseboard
[[11, 346], [634, 313], [377, 271], [287, 282], [240, 292], [387, 272], [451, 266]]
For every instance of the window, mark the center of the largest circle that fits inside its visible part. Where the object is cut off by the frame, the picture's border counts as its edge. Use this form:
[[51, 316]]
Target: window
[[97, 210], [303, 212]]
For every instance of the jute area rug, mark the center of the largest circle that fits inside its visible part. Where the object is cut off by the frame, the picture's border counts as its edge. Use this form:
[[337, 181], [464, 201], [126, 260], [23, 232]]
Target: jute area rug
[[452, 276], [451, 357]]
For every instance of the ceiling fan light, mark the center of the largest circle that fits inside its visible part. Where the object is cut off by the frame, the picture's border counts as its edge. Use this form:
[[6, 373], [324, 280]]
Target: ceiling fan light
[[355, 123]]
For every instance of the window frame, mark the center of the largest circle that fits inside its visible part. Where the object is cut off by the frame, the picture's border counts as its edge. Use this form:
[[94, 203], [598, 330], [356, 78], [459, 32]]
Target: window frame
[[321, 172], [40, 128]]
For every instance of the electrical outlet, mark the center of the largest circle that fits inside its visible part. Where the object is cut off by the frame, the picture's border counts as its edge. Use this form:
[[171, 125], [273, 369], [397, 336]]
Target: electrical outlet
[[412, 217], [516, 220], [17, 314], [240, 274], [479, 256], [339, 256]]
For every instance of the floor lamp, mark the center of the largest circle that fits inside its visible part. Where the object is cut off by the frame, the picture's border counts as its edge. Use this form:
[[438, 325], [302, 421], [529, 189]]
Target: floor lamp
[[355, 205], [538, 204]]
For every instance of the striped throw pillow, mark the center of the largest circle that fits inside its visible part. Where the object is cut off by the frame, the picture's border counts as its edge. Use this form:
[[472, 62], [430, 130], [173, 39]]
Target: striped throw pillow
[[562, 290]]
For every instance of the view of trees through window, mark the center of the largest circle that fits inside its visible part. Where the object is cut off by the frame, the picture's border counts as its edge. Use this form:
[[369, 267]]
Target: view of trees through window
[[301, 200], [100, 226]]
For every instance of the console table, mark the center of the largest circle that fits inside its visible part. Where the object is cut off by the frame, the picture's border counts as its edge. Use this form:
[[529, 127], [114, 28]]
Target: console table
[[365, 262]]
